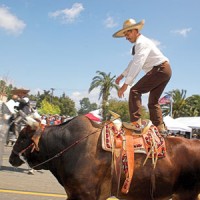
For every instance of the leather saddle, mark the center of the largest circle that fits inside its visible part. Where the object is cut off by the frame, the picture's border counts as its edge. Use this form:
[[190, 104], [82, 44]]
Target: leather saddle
[[124, 143]]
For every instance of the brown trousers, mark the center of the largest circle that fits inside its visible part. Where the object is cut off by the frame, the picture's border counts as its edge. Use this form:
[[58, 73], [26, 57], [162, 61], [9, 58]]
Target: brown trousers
[[153, 82]]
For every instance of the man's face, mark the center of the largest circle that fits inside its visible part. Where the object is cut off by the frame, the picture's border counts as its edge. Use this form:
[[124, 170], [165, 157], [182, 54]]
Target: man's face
[[131, 35]]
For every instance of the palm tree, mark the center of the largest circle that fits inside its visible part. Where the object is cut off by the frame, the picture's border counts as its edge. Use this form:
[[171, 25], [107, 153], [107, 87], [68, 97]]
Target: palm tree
[[192, 107], [106, 84], [178, 101]]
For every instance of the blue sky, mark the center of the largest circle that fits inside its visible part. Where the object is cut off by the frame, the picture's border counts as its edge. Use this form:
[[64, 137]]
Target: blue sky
[[62, 43]]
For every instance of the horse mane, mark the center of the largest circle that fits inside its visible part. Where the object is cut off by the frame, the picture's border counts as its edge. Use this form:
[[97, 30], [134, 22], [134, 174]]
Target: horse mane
[[66, 122], [62, 125], [94, 124]]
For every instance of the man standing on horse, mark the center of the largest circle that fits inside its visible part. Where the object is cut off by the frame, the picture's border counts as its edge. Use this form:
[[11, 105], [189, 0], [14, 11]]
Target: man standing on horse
[[147, 57]]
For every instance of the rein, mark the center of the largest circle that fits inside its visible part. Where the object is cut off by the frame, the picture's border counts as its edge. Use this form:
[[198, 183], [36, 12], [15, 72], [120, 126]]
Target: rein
[[66, 149], [22, 151], [58, 154]]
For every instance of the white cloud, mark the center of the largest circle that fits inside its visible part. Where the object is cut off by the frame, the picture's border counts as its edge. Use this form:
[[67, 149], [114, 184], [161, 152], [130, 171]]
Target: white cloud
[[183, 32], [109, 22], [93, 97], [68, 15], [36, 90], [156, 42], [10, 22]]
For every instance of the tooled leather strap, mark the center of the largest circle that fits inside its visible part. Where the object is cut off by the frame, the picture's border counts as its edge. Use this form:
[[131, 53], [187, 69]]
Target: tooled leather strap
[[43, 126], [130, 162]]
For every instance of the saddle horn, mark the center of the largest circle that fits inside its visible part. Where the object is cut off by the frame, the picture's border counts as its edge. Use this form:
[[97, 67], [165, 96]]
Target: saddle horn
[[114, 115], [116, 120]]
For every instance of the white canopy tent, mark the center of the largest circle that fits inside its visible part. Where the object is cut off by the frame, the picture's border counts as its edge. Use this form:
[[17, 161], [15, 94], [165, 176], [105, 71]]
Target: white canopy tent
[[174, 125], [193, 122]]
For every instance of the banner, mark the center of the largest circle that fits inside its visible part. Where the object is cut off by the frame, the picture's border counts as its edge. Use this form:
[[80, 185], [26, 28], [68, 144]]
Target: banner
[[165, 100]]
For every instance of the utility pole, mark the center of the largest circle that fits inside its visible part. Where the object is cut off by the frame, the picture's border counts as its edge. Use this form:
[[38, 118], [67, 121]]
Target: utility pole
[[52, 90]]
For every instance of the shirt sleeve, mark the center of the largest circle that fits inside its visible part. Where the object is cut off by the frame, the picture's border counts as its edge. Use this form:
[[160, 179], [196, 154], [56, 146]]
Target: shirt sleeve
[[135, 66], [125, 73]]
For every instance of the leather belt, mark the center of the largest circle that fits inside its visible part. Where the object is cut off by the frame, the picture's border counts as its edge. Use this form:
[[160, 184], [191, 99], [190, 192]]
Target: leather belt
[[160, 64]]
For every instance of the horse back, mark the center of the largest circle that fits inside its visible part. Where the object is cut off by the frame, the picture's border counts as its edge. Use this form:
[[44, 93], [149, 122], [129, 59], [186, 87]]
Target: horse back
[[183, 161]]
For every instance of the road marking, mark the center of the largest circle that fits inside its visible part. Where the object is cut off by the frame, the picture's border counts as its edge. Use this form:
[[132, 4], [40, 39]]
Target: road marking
[[33, 193]]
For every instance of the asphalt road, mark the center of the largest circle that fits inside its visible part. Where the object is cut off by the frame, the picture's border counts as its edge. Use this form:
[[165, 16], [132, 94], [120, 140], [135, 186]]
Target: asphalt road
[[17, 184]]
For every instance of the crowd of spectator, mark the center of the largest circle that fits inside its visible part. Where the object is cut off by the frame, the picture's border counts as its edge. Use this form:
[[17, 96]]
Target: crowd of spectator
[[53, 119]]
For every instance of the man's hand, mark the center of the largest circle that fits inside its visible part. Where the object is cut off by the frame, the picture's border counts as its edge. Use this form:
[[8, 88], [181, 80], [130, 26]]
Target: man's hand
[[122, 90], [118, 79]]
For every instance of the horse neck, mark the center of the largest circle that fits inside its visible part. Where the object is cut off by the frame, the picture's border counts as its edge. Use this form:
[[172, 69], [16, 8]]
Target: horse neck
[[50, 142]]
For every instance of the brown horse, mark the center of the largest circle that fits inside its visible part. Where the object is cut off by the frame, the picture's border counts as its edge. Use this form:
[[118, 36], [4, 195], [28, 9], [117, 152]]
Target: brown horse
[[73, 153]]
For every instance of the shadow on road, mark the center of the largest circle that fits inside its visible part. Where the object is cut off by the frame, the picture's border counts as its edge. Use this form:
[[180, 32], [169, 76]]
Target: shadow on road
[[13, 169]]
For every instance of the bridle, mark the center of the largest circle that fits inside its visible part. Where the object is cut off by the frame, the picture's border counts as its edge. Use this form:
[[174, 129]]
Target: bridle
[[55, 156], [23, 150]]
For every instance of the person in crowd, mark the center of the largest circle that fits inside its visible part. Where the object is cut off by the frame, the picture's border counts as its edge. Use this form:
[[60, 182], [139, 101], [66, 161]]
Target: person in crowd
[[147, 57], [57, 120], [23, 109], [62, 119]]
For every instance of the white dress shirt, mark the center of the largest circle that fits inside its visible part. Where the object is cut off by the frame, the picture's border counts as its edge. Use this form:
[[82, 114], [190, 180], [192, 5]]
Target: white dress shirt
[[146, 56]]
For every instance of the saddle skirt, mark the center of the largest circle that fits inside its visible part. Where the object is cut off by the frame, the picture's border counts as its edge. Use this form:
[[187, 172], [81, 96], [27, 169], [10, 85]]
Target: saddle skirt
[[142, 143]]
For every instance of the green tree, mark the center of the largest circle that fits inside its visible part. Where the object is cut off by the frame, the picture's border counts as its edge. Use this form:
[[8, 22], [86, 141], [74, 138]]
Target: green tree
[[5, 88], [66, 105], [86, 106], [178, 103], [106, 83], [121, 108], [192, 107], [40, 97], [47, 108]]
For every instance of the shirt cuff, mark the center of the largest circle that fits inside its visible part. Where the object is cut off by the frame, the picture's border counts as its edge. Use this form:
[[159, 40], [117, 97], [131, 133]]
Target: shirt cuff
[[124, 74], [129, 81]]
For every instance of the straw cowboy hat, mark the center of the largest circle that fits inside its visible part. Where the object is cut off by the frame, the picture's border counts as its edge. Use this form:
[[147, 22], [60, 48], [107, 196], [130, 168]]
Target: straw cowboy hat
[[129, 25], [20, 92]]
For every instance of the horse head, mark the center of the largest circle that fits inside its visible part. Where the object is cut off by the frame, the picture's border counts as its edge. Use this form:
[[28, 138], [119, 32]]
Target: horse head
[[22, 146]]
